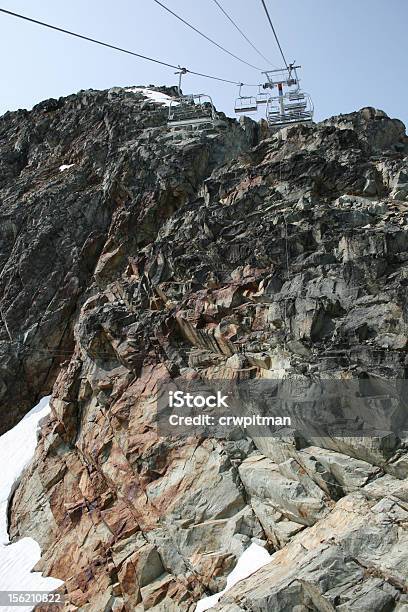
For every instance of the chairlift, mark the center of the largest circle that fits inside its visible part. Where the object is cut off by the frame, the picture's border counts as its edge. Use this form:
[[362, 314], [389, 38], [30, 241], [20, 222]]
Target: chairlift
[[245, 104], [289, 105], [192, 110], [262, 96]]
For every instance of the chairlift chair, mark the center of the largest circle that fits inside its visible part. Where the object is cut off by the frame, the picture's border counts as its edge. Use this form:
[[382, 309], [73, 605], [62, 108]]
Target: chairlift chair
[[280, 111], [191, 110], [245, 104], [287, 107]]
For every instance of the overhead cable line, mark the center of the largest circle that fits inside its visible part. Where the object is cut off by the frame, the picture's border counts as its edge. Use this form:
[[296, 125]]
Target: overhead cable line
[[166, 8], [241, 32], [93, 40], [275, 34], [208, 76], [109, 46]]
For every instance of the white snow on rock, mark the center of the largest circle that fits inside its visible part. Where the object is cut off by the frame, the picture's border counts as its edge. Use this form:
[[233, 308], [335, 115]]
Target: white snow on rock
[[65, 167], [155, 96], [17, 448], [251, 560]]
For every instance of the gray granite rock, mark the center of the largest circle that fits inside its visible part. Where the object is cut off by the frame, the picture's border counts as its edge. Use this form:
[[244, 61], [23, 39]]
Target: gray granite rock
[[132, 255]]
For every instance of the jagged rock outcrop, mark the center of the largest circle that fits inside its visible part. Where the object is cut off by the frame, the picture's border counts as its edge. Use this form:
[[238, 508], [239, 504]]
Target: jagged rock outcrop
[[204, 254], [85, 181]]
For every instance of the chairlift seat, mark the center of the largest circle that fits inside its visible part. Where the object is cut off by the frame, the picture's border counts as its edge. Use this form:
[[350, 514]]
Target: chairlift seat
[[246, 104], [286, 122], [246, 109], [190, 122], [289, 117]]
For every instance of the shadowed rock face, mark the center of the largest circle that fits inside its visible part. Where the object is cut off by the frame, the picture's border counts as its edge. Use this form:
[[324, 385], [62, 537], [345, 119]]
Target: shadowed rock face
[[209, 254], [85, 181]]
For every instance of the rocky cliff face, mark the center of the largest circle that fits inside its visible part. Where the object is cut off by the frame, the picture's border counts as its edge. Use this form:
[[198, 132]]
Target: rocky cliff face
[[84, 182], [220, 254]]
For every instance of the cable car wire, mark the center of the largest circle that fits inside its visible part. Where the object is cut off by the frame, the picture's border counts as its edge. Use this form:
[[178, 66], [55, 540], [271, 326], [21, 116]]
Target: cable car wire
[[109, 46], [241, 32], [93, 40], [208, 76], [275, 34], [166, 8]]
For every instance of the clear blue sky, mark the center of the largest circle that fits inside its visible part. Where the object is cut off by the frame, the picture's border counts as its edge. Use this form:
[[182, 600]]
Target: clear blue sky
[[353, 52]]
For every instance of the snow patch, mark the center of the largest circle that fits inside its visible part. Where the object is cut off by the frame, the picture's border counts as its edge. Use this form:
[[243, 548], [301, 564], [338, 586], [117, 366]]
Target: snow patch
[[155, 96], [17, 448], [251, 560], [65, 167]]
